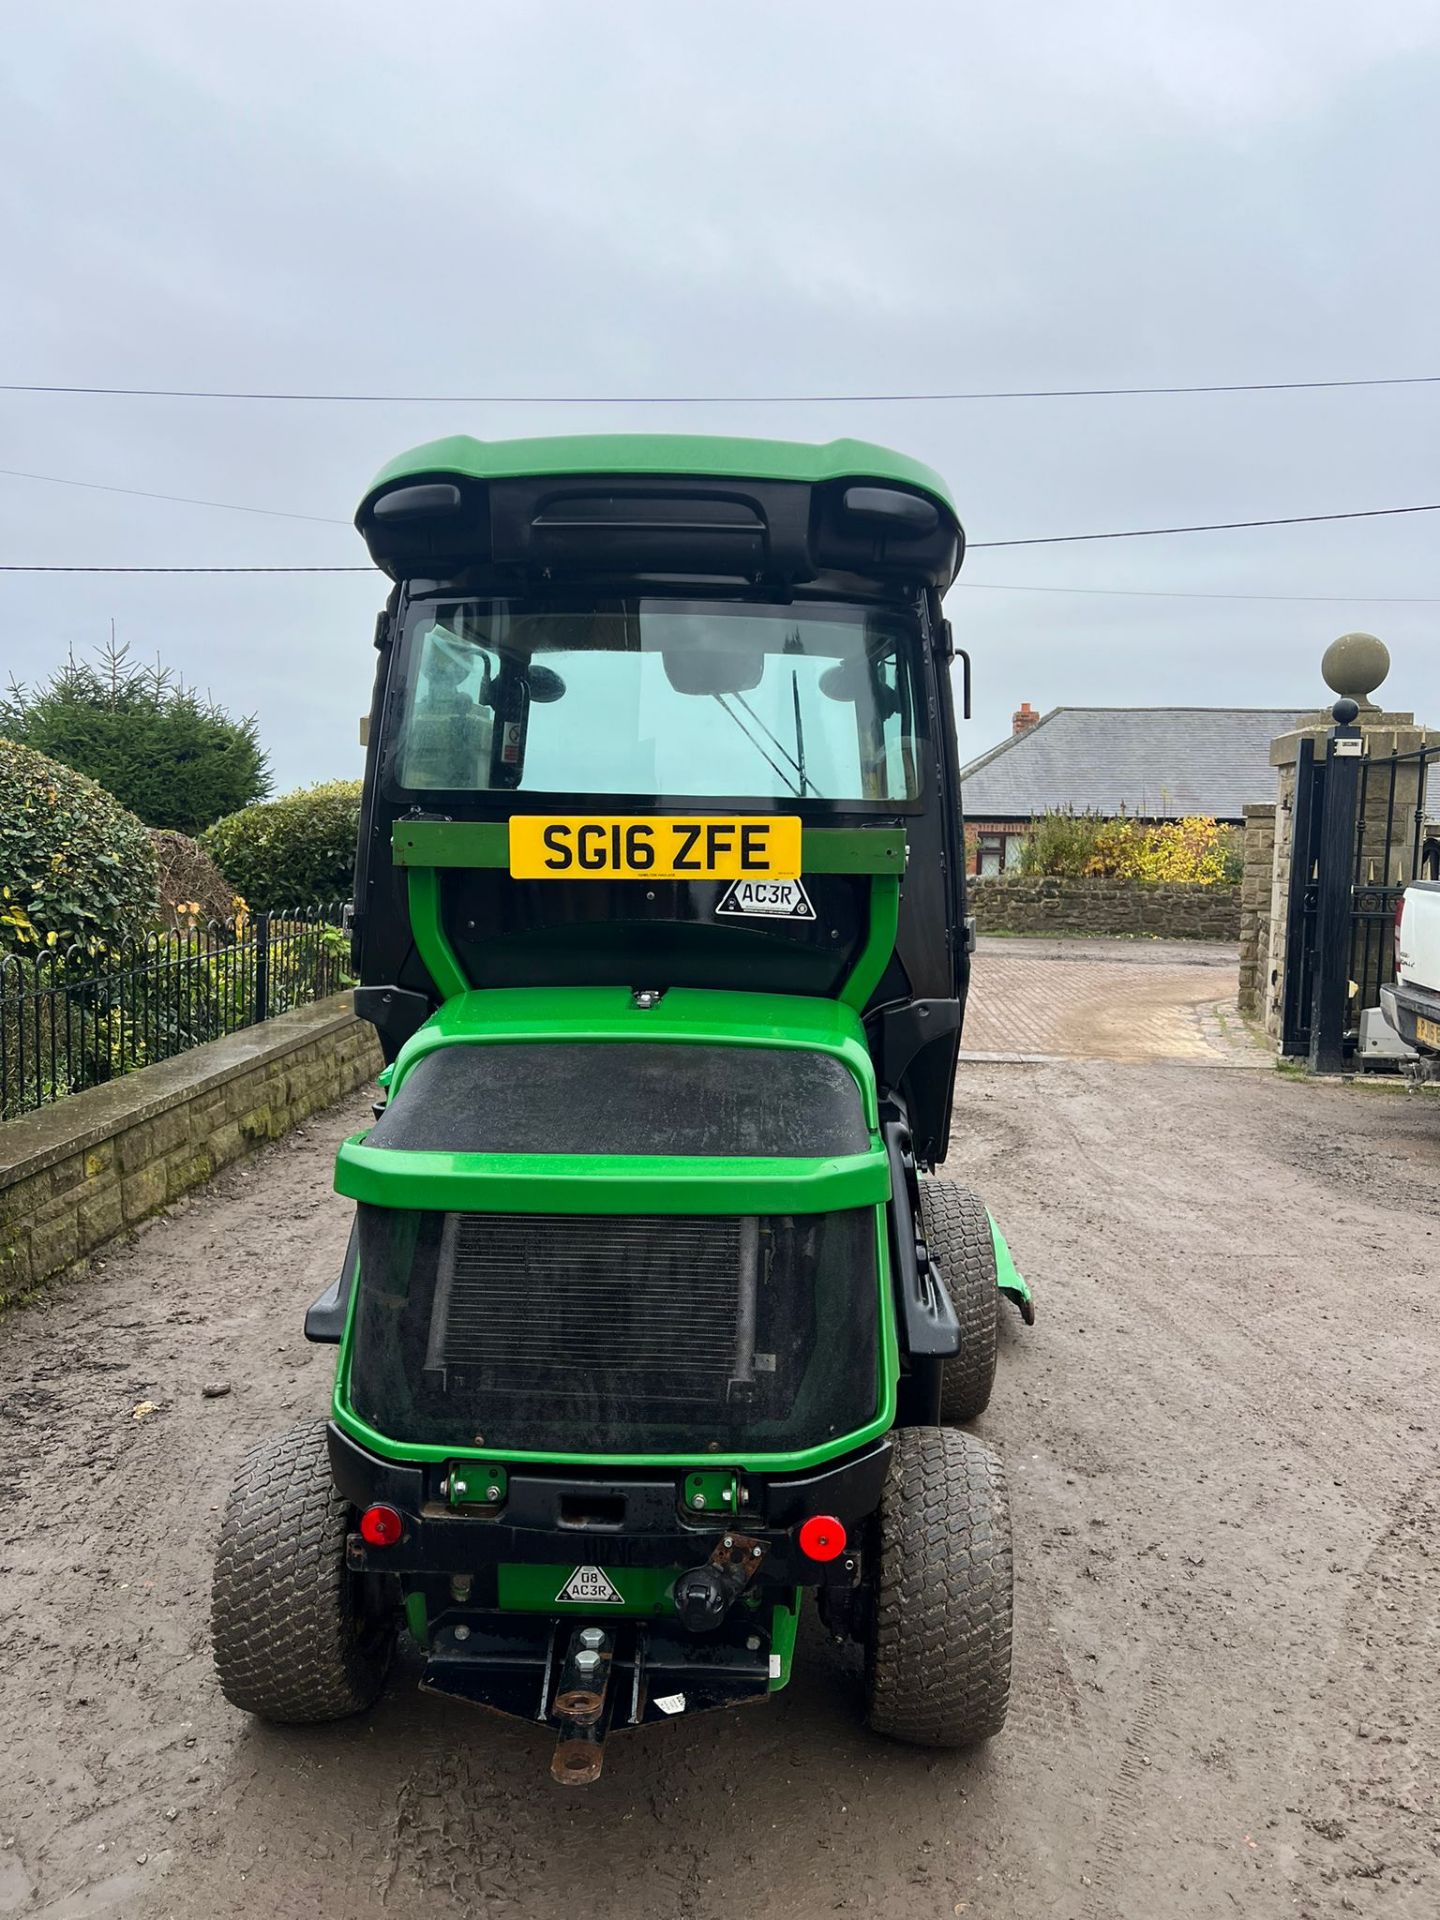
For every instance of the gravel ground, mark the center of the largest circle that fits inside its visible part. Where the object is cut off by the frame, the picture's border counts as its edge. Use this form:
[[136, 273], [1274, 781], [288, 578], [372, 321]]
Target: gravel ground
[[1222, 1438]]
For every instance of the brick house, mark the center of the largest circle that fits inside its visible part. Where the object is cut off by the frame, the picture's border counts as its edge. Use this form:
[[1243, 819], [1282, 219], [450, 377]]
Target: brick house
[[1148, 763]]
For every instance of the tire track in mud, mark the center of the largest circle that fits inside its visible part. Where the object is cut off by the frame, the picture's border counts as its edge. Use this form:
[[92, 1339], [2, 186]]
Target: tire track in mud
[[1292, 1388], [1127, 1799], [1369, 1831], [1303, 1374]]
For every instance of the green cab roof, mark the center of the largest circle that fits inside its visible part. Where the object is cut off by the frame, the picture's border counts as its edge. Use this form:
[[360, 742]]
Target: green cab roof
[[708, 455]]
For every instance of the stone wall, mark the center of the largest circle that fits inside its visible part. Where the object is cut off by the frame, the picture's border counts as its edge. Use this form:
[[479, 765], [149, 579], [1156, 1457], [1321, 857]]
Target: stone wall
[[1255, 898], [76, 1173], [1171, 910]]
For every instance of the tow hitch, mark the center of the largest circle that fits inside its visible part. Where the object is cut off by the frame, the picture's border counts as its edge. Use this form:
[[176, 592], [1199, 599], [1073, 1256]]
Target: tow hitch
[[586, 1680], [582, 1708]]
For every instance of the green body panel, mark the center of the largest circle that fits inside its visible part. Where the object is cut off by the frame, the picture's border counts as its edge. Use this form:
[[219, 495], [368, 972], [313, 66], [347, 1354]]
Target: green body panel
[[608, 1183], [1008, 1276], [425, 848], [432, 943], [784, 1625], [486, 843], [615, 1183], [704, 455], [874, 956], [700, 1016], [599, 1183], [532, 1587]]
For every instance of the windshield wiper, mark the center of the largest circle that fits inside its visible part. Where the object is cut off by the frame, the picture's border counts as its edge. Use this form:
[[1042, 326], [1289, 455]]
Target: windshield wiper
[[779, 771], [807, 785]]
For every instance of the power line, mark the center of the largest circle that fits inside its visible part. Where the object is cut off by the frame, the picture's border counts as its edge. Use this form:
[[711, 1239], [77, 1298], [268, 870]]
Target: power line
[[714, 399], [12, 567], [1041, 540], [973, 586], [974, 546], [1163, 593], [176, 499], [1210, 526]]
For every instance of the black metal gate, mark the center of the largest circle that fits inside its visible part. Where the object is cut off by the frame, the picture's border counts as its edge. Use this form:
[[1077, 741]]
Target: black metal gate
[[1363, 827]]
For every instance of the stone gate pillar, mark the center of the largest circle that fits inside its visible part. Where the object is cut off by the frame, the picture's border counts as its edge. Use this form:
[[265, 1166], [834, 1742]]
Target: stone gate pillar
[[1354, 666]]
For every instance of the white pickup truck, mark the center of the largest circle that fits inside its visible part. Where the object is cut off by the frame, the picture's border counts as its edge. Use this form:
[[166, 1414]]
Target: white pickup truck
[[1412, 1005]]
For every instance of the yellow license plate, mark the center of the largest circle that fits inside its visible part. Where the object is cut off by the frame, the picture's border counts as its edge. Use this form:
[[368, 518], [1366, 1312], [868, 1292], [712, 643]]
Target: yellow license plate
[[1427, 1032], [654, 847]]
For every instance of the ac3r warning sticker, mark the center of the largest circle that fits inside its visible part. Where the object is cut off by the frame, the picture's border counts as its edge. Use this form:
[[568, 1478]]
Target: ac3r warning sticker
[[591, 1587], [766, 900]]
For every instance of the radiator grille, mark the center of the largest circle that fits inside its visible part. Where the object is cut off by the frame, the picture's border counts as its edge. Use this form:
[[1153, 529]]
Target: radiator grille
[[661, 1309]]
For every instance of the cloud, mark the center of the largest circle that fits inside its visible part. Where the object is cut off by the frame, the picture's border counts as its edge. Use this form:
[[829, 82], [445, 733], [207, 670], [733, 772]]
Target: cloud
[[744, 198]]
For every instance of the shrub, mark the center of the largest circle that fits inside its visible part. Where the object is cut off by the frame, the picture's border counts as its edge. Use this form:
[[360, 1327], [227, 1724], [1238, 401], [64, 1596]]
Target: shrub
[[1194, 850], [1061, 844], [75, 868], [291, 851], [1187, 850], [174, 759], [193, 891]]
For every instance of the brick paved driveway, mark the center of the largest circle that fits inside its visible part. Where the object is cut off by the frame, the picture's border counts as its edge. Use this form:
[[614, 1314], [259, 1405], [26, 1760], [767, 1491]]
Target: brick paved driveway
[[1108, 1000]]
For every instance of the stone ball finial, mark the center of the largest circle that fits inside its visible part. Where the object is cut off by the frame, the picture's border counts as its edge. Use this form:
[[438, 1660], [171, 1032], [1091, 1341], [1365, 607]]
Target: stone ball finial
[[1354, 665]]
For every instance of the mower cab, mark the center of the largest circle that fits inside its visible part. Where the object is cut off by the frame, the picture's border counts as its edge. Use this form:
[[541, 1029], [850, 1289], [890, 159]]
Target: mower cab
[[653, 1319]]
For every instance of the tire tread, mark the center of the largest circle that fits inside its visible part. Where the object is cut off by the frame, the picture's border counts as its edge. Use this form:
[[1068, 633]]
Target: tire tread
[[289, 1641], [938, 1673], [957, 1231]]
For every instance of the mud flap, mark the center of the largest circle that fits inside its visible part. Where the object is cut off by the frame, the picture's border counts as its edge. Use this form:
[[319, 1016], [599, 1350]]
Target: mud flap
[[1008, 1277]]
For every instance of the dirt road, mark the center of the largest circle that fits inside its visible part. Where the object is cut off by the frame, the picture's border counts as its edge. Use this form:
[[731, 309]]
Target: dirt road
[[1222, 1438]]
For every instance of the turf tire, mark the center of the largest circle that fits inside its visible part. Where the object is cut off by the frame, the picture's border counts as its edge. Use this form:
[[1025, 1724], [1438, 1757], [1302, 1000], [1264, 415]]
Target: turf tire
[[957, 1232], [938, 1646], [290, 1639]]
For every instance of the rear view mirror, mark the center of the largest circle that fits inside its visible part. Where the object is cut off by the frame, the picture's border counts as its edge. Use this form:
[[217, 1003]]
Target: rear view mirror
[[708, 671], [846, 680], [853, 680], [545, 685]]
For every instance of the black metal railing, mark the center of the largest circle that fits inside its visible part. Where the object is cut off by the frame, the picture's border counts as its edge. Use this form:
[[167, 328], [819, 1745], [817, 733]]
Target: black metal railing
[[1395, 843], [71, 1020]]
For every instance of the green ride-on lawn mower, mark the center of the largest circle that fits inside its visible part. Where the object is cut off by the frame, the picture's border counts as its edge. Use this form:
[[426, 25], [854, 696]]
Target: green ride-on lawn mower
[[653, 1320]]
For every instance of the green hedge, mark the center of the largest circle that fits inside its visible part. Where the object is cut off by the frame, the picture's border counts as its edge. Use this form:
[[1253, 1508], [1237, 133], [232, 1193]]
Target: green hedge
[[75, 868], [291, 851]]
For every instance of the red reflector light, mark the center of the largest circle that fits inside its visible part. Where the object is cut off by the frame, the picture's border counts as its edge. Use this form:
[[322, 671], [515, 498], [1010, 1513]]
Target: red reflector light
[[822, 1537], [381, 1526]]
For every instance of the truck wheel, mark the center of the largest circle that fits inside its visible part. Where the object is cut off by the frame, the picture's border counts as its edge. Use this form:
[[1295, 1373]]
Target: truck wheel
[[291, 1640], [957, 1232], [938, 1652]]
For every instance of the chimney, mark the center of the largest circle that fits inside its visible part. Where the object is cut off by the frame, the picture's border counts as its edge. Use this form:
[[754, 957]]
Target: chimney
[[1022, 721]]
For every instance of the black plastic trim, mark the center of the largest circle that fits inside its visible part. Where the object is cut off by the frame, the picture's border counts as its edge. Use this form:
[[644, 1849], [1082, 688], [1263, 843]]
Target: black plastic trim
[[394, 1012], [325, 1318], [906, 1031], [927, 1318]]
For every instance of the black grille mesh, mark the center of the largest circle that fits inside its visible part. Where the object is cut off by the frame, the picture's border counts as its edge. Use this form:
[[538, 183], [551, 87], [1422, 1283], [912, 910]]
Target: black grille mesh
[[652, 1306], [617, 1333]]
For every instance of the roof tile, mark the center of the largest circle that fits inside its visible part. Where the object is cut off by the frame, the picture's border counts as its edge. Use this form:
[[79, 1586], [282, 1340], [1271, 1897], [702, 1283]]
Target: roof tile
[[1152, 762]]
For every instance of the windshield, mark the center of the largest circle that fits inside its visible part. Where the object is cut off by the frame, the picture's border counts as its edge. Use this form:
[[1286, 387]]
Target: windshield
[[660, 697]]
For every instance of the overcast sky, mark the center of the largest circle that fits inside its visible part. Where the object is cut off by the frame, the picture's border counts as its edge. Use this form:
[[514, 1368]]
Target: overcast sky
[[737, 197]]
